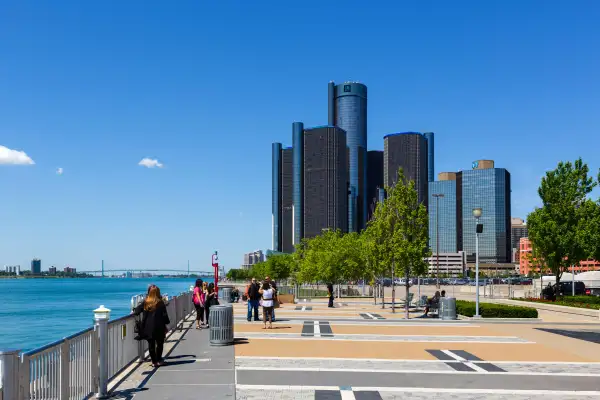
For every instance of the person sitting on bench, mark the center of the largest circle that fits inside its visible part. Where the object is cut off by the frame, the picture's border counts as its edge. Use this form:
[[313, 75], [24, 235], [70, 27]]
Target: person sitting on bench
[[433, 302]]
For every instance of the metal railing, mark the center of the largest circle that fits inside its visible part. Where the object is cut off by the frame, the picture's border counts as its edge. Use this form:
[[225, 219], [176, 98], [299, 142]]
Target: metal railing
[[69, 369]]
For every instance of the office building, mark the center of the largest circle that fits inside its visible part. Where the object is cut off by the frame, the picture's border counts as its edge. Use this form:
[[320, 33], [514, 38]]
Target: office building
[[443, 220], [374, 179], [347, 105], [325, 172], [518, 231], [488, 188], [36, 266], [252, 258], [282, 175], [13, 269], [452, 264], [528, 264], [70, 271], [298, 181], [407, 151], [430, 156]]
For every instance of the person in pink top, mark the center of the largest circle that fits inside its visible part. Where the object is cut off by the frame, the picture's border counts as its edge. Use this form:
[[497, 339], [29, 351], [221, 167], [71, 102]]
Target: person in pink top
[[199, 300]]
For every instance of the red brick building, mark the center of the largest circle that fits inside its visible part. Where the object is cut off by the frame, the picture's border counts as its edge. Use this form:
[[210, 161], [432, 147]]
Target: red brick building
[[525, 264]]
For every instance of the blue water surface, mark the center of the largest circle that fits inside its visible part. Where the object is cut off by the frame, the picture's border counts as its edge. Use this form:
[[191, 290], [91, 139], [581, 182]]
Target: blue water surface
[[35, 312]]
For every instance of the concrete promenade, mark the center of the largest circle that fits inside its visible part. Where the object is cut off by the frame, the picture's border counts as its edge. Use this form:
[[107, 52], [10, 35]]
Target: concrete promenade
[[359, 351]]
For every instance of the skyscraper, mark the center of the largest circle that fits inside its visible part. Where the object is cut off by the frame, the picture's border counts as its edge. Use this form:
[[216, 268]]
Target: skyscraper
[[347, 104], [407, 151], [36, 266], [325, 180], [282, 199], [298, 181], [430, 156], [488, 188], [374, 179], [447, 219]]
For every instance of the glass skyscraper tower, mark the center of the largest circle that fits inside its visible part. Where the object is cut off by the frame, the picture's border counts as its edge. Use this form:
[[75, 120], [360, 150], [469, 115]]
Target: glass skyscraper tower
[[347, 105]]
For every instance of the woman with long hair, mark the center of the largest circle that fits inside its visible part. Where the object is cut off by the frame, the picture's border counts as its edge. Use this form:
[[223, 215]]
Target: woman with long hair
[[209, 299], [268, 294], [154, 324], [199, 299]]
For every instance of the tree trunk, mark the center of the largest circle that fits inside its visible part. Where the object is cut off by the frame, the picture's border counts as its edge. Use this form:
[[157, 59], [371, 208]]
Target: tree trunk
[[407, 284], [393, 287]]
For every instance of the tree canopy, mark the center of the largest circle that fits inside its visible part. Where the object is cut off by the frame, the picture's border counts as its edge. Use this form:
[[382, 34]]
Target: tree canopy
[[564, 230]]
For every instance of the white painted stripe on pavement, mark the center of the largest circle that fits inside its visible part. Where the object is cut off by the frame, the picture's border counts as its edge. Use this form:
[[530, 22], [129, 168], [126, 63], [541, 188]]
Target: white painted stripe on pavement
[[317, 330], [464, 360], [416, 360], [478, 370], [298, 337], [347, 395], [303, 308], [422, 390], [370, 315]]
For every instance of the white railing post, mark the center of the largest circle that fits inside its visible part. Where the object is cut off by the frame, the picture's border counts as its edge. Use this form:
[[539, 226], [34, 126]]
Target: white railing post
[[101, 317], [65, 356], [9, 361], [24, 378]]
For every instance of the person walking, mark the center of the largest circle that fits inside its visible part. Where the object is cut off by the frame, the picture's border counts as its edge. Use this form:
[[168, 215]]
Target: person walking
[[267, 293], [198, 299], [253, 299], [154, 324], [209, 301], [330, 293]]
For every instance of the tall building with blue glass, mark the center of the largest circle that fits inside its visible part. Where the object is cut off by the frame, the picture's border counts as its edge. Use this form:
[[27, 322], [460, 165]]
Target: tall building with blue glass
[[443, 214], [429, 136], [298, 180], [36, 266], [347, 105], [488, 188]]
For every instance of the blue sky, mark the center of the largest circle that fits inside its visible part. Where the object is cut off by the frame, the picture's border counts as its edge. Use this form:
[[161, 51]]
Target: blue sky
[[206, 87]]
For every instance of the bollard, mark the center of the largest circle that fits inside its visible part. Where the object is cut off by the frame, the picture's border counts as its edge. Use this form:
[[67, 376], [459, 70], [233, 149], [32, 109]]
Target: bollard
[[9, 366], [101, 316]]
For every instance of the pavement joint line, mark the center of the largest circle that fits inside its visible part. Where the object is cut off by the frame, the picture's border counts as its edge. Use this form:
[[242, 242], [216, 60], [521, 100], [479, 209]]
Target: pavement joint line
[[196, 369], [375, 360], [424, 390], [341, 338]]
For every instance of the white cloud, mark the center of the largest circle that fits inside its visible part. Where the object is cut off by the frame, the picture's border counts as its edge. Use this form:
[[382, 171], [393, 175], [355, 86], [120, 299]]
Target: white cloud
[[59, 171], [150, 163], [14, 157]]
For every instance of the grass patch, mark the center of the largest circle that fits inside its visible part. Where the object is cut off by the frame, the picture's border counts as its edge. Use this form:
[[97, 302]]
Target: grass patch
[[490, 310]]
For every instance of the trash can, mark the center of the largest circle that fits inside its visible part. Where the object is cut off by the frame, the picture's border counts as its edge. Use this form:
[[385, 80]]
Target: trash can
[[220, 321], [225, 294], [447, 308]]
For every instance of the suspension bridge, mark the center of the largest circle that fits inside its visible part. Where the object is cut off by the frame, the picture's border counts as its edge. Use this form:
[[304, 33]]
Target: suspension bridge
[[143, 272]]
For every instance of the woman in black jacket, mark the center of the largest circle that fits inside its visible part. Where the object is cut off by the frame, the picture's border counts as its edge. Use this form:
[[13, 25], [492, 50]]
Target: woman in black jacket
[[154, 324]]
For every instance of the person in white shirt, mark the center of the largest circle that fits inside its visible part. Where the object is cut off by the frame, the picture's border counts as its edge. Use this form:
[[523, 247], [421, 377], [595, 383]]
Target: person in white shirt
[[267, 294]]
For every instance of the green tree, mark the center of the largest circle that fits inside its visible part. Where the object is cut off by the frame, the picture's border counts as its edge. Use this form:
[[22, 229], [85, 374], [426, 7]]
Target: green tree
[[559, 229], [280, 266], [400, 226]]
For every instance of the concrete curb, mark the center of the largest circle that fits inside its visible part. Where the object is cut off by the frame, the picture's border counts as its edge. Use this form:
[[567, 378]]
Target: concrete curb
[[550, 307]]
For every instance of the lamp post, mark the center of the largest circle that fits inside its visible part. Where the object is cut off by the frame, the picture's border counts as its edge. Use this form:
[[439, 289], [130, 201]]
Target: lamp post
[[215, 264], [478, 229], [101, 317], [437, 235]]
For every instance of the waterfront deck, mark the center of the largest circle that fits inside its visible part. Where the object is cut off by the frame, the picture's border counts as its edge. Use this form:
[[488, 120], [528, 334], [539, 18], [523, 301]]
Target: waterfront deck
[[359, 351]]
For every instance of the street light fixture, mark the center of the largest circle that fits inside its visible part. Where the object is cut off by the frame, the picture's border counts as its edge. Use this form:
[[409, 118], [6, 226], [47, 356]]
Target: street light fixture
[[479, 228], [437, 235]]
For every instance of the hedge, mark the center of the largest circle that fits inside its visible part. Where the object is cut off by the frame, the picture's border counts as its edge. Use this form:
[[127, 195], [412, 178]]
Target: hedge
[[489, 310], [580, 299]]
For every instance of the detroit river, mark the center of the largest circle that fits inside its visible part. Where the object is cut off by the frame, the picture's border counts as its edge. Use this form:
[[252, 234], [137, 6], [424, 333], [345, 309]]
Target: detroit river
[[34, 312]]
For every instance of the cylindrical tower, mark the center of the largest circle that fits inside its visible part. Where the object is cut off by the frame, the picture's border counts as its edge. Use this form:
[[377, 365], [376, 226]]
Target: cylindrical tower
[[298, 181], [350, 113]]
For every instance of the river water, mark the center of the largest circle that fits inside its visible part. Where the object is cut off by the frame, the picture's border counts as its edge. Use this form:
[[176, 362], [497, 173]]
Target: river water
[[35, 312]]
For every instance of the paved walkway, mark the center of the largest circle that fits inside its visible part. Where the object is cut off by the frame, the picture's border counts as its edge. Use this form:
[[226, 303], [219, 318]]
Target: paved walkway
[[359, 351]]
